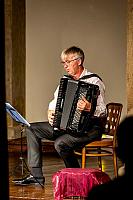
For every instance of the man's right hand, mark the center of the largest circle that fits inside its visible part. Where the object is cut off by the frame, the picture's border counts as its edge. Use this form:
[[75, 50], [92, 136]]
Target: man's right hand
[[51, 116]]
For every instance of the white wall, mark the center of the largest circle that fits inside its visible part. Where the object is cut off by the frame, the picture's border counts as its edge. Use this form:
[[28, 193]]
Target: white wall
[[98, 27]]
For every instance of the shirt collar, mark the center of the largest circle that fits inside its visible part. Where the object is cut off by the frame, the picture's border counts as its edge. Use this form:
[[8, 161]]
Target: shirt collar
[[85, 72]]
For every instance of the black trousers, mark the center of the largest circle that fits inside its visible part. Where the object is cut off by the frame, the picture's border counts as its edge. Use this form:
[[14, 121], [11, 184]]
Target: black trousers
[[64, 143]]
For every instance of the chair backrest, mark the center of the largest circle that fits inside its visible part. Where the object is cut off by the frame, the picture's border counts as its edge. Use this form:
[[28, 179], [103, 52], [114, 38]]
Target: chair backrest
[[113, 117]]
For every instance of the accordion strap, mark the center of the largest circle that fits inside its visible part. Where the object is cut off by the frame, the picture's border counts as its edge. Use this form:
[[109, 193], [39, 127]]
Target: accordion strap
[[85, 77], [90, 76]]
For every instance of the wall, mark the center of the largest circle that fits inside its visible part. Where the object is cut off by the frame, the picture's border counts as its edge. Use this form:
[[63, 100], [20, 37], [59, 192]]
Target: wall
[[98, 27], [129, 72], [15, 61]]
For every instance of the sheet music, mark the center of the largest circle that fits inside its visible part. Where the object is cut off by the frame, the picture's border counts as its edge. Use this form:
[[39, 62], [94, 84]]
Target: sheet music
[[15, 115]]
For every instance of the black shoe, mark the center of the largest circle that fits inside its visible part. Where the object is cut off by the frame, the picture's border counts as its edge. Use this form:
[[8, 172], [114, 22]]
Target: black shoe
[[29, 180]]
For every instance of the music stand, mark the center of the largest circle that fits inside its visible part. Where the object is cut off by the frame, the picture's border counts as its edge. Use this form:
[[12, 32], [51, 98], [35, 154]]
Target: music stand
[[15, 115], [18, 118]]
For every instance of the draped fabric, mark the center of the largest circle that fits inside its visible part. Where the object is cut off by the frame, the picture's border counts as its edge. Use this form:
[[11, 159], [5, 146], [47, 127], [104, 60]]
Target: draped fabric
[[70, 182]]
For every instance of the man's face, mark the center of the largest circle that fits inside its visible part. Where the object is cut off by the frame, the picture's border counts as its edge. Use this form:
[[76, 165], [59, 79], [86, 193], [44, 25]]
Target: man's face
[[71, 63]]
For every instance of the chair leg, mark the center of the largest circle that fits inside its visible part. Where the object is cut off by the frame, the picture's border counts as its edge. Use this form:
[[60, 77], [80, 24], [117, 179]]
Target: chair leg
[[83, 157], [99, 159], [100, 162], [115, 164]]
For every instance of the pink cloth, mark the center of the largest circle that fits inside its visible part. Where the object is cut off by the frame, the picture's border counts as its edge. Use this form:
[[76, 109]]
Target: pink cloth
[[70, 182]]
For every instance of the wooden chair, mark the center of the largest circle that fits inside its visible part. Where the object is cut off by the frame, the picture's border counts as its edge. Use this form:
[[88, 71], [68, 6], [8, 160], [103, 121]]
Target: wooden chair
[[107, 145]]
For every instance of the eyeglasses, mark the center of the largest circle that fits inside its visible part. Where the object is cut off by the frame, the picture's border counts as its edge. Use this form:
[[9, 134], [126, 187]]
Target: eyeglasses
[[67, 62]]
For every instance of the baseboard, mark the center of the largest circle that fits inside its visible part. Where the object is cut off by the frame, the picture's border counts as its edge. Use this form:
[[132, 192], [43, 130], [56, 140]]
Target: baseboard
[[14, 145]]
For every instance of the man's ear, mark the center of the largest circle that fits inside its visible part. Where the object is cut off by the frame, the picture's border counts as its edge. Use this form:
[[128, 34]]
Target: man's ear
[[79, 61]]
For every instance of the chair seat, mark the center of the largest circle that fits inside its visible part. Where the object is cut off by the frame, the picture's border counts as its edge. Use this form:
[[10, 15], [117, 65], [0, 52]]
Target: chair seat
[[91, 149], [101, 143], [70, 182]]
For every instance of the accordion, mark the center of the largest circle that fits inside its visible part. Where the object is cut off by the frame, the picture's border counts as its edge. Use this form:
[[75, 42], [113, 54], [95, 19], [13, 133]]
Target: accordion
[[67, 116]]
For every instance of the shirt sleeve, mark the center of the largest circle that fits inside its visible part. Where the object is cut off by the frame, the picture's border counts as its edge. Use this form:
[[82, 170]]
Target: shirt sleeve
[[101, 106], [52, 104]]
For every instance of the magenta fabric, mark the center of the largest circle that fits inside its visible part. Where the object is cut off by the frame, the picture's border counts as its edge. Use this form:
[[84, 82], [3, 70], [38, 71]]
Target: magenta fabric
[[70, 182]]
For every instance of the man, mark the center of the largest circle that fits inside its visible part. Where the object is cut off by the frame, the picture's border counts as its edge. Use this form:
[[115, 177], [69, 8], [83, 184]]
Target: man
[[72, 59]]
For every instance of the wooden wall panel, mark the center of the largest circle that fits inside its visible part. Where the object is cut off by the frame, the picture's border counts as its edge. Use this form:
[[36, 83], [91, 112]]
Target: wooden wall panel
[[15, 58], [130, 57]]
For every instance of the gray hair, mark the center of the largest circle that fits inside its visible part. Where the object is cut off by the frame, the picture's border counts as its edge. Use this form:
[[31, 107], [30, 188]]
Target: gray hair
[[74, 50]]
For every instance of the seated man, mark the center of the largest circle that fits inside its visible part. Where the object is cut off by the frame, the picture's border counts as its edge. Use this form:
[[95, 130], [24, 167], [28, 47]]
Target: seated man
[[72, 60]]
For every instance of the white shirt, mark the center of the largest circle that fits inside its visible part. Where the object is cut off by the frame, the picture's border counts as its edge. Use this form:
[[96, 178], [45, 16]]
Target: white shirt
[[101, 106]]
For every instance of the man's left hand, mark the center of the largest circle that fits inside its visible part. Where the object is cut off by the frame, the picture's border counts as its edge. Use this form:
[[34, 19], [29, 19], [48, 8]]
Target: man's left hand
[[83, 104]]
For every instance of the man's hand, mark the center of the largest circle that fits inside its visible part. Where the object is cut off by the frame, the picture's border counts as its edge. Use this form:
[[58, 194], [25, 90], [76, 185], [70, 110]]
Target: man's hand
[[51, 116], [83, 104]]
